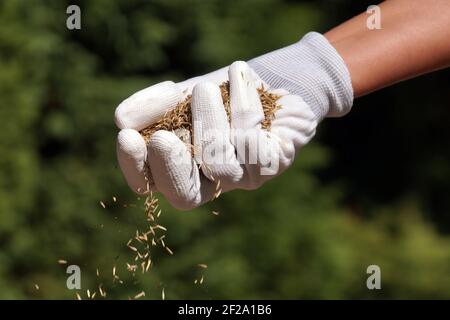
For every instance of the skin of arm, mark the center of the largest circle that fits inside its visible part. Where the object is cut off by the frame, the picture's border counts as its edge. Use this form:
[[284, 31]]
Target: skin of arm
[[414, 39]]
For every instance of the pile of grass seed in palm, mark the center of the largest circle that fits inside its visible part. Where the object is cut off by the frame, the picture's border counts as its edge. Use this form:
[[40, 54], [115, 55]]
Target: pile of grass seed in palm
[[181, 118]]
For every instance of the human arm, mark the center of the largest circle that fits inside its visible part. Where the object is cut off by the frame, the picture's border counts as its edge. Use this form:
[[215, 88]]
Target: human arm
[[414, 39]]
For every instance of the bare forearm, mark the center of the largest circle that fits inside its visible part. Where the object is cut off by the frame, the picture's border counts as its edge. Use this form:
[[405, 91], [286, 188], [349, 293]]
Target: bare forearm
[[414, 39]]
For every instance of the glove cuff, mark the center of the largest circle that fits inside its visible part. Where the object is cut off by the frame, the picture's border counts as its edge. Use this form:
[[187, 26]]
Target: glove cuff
[[312, 69]]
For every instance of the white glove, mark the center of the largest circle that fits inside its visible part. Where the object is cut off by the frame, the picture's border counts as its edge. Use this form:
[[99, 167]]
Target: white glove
[[176, 173], [239, 155]]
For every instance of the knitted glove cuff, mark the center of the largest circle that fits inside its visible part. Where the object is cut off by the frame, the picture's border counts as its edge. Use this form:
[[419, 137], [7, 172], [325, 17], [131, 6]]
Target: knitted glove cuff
[[312, 69]]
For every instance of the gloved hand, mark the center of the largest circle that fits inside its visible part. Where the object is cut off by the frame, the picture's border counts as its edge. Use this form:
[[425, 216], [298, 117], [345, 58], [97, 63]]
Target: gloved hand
[[310, 69], [139, 111]]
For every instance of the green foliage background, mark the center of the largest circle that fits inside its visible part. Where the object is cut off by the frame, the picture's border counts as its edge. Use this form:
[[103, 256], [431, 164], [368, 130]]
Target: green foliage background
[[371, 189]]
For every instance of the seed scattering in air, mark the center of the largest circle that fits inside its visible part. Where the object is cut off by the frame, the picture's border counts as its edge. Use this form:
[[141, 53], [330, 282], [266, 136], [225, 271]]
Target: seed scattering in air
[[143, 242], [140, 245], [139, 295]]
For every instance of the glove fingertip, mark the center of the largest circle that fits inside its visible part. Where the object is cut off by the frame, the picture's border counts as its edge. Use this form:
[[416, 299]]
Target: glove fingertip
[[146, 106]]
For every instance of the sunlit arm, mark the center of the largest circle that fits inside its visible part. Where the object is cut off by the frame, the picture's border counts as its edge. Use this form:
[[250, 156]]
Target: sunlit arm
[[414, 39]]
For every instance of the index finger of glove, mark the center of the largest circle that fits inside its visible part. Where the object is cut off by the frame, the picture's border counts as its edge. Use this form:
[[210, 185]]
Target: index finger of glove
[[147, 106]]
